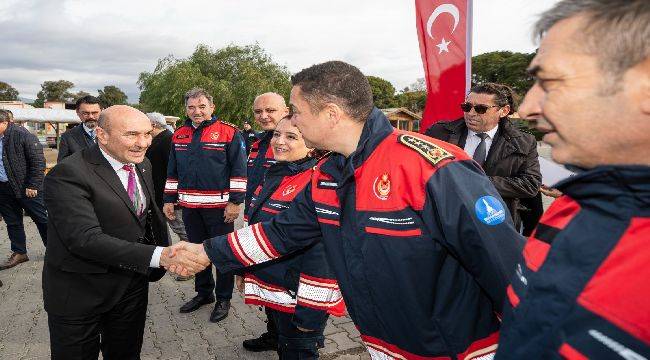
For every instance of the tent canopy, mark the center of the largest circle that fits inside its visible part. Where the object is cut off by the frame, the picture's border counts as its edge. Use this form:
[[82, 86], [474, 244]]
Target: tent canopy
[[45, 115]]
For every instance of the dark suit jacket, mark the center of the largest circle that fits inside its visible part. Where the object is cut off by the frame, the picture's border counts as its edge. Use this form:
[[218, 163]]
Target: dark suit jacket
[[95, 244], [158, 155], [72, 141], [511, 163]]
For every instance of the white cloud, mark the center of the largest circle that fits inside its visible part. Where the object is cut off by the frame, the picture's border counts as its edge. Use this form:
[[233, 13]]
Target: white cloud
[[97, 43]]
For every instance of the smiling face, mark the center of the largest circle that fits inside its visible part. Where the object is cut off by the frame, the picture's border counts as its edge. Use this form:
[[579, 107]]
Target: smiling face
[[287, 142], [199, 109], [316, 129], [268, 109], [589, 118], [126, 134]]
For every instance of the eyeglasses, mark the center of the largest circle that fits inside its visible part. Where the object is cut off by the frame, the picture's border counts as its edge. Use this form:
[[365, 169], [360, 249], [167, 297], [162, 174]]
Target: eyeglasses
[[479, 108]]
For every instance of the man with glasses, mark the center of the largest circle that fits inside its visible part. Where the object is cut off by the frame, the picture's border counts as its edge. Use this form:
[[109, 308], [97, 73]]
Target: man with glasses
[[508, 155], [81, 137]]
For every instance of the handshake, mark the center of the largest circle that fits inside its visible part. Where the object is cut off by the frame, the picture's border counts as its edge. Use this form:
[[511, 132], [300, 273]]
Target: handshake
[[184, 258]]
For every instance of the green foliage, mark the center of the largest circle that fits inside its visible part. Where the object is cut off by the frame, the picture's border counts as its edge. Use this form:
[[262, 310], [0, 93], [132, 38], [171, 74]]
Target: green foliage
[[383, 92], [412, 100], [503, 67], [7, 92], [111, 95], [54, 91], [79, 95], [233, 75]]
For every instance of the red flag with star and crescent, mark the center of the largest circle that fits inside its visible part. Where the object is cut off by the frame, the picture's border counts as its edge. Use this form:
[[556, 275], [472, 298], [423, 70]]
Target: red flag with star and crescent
[[445, 34]]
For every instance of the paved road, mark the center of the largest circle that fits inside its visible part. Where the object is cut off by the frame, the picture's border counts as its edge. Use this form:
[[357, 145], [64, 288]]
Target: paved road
[[169, 334]]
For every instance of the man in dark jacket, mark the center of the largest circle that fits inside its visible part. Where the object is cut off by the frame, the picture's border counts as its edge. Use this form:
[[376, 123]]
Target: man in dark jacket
[[250, 136], [581, 288], [508, 155], [81, 136], [22, 168]]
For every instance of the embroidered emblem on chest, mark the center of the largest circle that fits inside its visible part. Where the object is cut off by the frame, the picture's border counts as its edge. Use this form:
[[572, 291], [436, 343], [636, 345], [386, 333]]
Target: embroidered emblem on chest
[[288, 190], [381, 186], [214, 135]]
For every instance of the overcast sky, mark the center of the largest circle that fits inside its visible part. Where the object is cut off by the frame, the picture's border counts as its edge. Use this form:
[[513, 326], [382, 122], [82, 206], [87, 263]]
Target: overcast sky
[[98, 43]]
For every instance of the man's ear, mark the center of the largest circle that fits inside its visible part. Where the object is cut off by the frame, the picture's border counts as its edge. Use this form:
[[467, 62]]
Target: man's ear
[[504, 111]]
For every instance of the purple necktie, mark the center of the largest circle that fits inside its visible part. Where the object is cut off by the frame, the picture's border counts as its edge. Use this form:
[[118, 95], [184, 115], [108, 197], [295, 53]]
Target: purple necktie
[[132, 189]]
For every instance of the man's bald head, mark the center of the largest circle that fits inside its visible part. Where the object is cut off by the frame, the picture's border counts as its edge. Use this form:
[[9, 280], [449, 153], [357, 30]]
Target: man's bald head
[[118, 113], [268, 109], [124, 133]]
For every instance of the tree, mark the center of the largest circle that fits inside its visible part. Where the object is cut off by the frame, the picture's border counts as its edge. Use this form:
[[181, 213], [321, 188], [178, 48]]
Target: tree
[[412, 100], [111, 95], [79, 95], [383, 92], [7, 92], [503, 67], [54, 91], [233, 75]]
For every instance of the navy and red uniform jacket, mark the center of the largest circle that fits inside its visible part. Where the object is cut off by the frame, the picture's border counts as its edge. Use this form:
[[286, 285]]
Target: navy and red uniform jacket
[[259, 160], [582, 289], [207, 166], [418, 237], [301, 283]]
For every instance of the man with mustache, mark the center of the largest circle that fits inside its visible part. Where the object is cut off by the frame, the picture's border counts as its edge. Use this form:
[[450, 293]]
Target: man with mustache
[[206, 176], [81, 137]]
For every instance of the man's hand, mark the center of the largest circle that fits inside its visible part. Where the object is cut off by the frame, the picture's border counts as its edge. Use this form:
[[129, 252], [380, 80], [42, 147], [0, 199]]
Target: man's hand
[[168, 209], [231, 213], [194, 251], [31, 193], [552, 192], [183, 262]]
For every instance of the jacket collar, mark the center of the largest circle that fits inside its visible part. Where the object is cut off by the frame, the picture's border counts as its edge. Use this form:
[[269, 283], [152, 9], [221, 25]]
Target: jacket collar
[[609, 180], [188, 122], [375, 130], [288, 168]]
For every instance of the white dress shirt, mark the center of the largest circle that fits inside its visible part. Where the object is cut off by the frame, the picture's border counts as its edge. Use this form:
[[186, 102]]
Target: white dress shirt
[[472, 141], [90, 132], [124, 179]]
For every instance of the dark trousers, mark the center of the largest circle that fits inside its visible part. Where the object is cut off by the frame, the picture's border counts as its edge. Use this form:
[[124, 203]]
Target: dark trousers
[[117, 333], [294, 344], [271, 327], [11, 210], [202, 224]]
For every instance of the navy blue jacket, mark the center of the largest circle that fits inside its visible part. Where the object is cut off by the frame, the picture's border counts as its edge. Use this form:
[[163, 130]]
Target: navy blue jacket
[[259, 160], [301, 283], [417, 235], [581, 289], [207, 166], [23, 159]]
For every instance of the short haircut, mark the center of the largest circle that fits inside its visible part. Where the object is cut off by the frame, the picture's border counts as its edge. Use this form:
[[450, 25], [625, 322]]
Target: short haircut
[[6, 115], [624, 25], [196, 93], [503, 94], [335, 82], [157, 119], [88, 99]]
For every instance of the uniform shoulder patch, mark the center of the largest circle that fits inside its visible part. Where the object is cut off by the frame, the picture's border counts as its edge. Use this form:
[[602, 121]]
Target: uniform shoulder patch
[[430, 151], [229, 124]]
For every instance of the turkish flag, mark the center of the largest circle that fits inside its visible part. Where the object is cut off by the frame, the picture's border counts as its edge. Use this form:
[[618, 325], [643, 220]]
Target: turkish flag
[[445, 34]]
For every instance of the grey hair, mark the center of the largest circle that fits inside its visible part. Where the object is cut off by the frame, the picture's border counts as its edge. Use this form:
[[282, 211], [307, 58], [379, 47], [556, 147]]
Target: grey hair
[[198, 92], [6, 115], [158, 120], [623, 25]]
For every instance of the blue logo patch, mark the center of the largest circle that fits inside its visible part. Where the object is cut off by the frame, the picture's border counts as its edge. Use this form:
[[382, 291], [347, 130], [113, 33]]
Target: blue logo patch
[[490, 210]]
